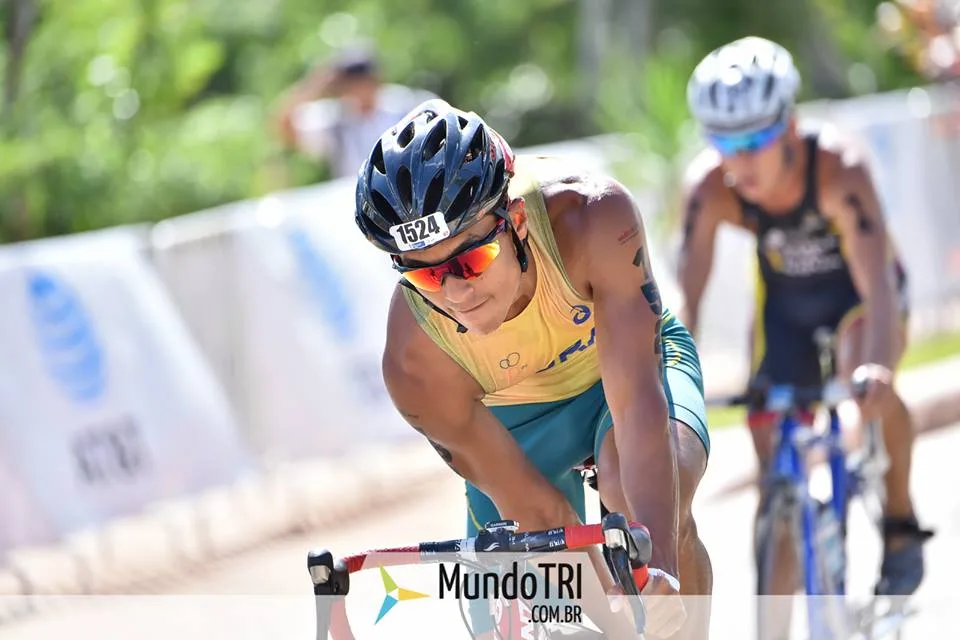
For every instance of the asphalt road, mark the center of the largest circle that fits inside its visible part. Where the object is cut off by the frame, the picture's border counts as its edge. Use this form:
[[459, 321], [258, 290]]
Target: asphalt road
[[266, 593]]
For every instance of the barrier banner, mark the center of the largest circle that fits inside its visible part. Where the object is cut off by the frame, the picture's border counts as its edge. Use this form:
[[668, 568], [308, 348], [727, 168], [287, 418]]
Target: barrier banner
[[105, 402], [314, 315], [21, 521]]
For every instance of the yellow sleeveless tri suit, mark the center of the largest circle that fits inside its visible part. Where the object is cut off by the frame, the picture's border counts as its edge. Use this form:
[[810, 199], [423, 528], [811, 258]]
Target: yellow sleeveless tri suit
[[544, 354], [540, 370]]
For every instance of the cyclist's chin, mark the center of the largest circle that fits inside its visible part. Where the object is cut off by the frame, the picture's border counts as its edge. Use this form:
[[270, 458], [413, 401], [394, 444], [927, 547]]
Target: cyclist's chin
[[484, 326], [482, 321], [751, 189]]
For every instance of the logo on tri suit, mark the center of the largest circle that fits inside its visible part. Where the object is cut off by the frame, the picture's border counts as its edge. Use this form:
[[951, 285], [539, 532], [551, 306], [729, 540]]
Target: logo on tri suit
[[813, 223], [512, 360], [581, 313], [811, 248]]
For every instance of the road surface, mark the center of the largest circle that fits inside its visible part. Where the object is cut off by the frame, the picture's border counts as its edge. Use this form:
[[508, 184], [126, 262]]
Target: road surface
[[265, 594]]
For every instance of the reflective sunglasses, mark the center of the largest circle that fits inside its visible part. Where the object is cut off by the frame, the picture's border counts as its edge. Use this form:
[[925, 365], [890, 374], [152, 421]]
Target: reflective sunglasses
[[469, 263], [732, 144]]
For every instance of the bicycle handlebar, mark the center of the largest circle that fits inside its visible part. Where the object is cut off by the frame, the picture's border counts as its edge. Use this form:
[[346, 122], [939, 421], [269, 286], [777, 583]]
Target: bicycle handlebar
[[784, 397], [331, 577], [781, 398]]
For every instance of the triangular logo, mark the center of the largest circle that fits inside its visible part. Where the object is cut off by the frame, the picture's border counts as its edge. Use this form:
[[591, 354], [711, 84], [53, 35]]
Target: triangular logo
[[394, 594]]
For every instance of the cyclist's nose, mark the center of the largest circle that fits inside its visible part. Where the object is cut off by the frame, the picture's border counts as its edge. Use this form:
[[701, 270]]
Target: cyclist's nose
[[456, 290]]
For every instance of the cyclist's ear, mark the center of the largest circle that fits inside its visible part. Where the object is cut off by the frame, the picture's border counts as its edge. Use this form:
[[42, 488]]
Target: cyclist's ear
[[518, 217]]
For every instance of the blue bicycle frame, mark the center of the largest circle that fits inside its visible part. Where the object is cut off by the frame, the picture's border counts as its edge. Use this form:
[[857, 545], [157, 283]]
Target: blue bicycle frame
[[788, 465]]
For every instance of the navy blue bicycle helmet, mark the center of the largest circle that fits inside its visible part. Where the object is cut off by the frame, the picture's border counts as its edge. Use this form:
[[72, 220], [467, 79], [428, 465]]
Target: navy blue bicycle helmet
[[437, 159]]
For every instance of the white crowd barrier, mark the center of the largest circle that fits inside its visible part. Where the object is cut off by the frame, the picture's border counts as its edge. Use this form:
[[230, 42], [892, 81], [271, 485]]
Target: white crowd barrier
[[914, 139], [299, 325], [106, 404]]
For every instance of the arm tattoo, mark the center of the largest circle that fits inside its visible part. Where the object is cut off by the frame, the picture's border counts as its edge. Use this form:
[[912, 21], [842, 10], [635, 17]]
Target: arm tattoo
[[658, 346], [629, 234], [440, 449], [693, 212], [649, 288], [864, 224], [652, 294], [640, 262]]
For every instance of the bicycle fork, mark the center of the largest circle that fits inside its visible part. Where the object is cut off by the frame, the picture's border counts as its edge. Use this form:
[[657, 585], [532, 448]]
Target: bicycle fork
[[821, 535]]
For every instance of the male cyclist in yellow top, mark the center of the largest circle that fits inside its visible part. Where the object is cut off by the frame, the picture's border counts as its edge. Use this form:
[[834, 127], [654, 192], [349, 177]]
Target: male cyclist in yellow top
[[825, 259], [528, 336]]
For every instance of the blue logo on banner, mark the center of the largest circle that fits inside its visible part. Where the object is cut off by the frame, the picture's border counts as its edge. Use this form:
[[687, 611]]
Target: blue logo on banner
[[330, 296], [327, 291], [70, 348]]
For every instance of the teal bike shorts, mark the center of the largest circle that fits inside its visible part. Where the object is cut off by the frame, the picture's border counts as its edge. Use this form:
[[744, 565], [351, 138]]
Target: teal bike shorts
[[557, 436]]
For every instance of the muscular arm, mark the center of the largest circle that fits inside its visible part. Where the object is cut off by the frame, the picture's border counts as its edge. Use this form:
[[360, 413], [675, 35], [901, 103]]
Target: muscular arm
[[442, 401], [702, 214], [628, 309], [851, 202]]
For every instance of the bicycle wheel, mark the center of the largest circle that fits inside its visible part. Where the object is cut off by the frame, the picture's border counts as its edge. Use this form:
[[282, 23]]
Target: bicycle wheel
[[826, 609], [778, 521]]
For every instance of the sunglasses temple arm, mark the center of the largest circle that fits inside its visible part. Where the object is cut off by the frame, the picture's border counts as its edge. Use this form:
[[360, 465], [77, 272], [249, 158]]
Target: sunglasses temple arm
[[460, 327]]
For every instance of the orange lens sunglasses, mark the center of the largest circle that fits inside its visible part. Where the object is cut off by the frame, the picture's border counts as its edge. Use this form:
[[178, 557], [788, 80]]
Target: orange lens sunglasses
[[468, 264]]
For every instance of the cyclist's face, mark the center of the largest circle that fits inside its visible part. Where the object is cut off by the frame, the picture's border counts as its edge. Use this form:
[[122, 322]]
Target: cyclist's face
[[756, 174], [754, 161], [479, 303]]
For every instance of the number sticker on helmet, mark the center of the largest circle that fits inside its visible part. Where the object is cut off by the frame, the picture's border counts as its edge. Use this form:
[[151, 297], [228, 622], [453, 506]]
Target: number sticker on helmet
[[420, 233]]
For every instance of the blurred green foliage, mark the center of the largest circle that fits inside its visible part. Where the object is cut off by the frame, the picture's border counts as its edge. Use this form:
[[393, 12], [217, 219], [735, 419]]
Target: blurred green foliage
[[137, 110]]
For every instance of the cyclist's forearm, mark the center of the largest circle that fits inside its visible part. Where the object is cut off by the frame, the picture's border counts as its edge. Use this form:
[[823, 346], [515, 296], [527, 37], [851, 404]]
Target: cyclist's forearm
[[693, 276], [649, 477], [881, 320], [552, 509]]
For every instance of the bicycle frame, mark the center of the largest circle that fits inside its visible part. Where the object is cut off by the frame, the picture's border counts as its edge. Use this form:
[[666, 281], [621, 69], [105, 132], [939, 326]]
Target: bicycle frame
[[795, 442]]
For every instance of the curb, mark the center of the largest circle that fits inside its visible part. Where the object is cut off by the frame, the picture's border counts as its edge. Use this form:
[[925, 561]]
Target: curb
[[174, 539]]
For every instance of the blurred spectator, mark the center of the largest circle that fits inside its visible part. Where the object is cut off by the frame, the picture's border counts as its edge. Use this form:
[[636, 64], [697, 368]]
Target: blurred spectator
[[339, 110]]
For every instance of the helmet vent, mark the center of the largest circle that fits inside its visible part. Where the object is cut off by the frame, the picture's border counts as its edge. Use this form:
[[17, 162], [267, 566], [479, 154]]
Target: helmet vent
[[463, 200], [406, 135], [436, 140], [768, 87], [377, 159], [498, 176], [405, 187], [476, 148], [431, 201], [383, 208]]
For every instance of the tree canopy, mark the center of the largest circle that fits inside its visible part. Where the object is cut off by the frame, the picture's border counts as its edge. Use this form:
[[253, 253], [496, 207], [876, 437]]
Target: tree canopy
[[137, 110]]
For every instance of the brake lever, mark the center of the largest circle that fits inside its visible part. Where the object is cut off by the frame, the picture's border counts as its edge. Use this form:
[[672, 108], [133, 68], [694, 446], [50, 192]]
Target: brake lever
[[859, 384], [617, 532], [330, 577]]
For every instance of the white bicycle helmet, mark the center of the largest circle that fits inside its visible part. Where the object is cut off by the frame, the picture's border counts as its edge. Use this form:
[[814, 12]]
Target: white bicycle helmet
[[743, 86]]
